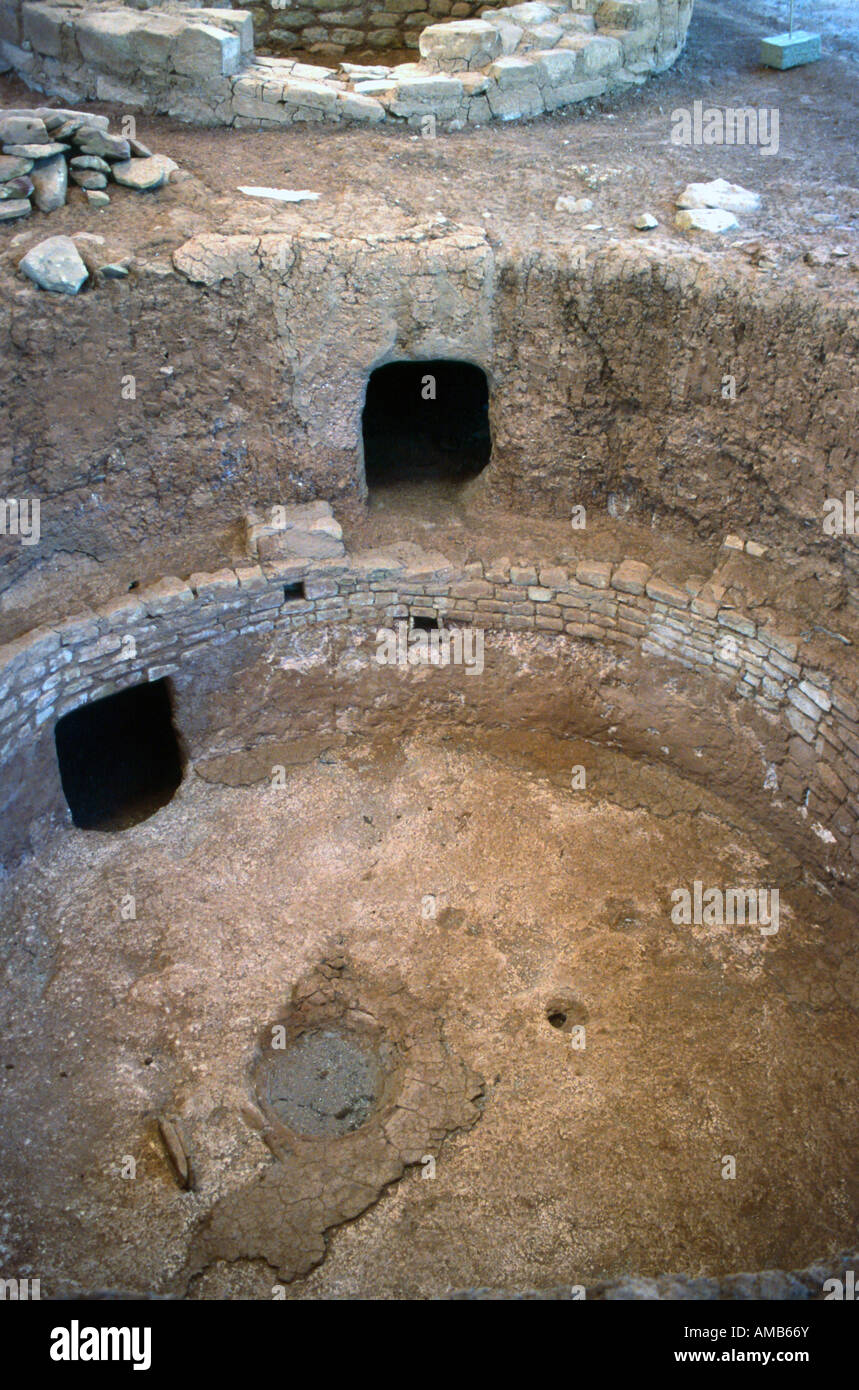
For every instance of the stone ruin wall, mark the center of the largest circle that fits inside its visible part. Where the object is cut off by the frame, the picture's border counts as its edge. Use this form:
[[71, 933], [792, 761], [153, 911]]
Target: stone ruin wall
[[760, 704], [199, 64], [329, 29], [604, 370]]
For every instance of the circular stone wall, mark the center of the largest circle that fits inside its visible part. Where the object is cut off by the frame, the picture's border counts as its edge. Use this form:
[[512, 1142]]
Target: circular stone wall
[[199, 64]]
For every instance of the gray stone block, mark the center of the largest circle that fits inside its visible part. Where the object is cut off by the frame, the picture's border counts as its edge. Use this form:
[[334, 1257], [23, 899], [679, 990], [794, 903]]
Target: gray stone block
[[203, 51]]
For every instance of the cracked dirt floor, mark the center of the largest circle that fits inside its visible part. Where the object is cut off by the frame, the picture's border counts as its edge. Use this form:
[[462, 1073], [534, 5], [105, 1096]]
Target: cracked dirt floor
[[581, 1164]]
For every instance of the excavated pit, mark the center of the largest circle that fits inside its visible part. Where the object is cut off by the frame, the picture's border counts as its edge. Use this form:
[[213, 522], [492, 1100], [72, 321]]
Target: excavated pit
[[533, 1074], [374, 986]]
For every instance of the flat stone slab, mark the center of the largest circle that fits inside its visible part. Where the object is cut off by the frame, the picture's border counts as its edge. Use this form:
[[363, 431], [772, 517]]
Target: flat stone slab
[[90, 161], [144, 174], [13, 167], [11, 208], [36, 151], [23, 130], [55, 265], [280, 195], [705, 220], [719, 194], [89, 178], [91, 140], [16, 188]]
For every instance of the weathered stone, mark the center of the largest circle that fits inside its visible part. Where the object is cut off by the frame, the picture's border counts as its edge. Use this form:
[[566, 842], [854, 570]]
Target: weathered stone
[[626, 13], [10, 208], [630, 577], [143, 174], [434, 87], [595, 573], [571, 204], [69, 128], [467, 43], [202, 50], [543, 36], [730, 197], [90, 161], [89, 140], [36, 151], [89, 178], [556, 67], [239, 22], [43, 28], [16, 188], [705, 220], [529, 14], [55, 265], [13, 167], [105, 39], [315, 95], [596, 54], [363, 106], [97, 199], [152, 44], [568, 93], [511, 34], [514, 73], [50, 183], [23, 130]]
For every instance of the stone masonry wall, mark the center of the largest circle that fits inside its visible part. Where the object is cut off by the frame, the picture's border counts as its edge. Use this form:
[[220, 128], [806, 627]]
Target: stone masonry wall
[[331, 28], [805, 736], [198, 64]]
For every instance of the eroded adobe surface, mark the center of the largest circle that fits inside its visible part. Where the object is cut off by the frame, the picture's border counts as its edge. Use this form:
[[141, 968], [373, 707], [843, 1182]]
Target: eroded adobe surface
[[420, 1093], [605, 369]]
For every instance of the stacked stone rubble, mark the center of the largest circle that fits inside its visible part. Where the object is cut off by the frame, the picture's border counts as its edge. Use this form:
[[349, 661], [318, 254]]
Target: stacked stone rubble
[[45, 150]]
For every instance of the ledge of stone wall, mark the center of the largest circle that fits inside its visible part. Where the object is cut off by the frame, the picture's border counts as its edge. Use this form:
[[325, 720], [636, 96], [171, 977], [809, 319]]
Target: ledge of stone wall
[[625, 607], [198, 64]]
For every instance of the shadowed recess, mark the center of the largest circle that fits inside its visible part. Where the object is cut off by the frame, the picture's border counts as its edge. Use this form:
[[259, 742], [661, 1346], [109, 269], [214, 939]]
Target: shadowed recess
[[119, 757], [426, 422]]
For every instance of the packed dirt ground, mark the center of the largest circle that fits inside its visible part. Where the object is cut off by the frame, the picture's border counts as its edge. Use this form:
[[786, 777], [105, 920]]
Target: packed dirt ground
[[506, 177], [551, 910]]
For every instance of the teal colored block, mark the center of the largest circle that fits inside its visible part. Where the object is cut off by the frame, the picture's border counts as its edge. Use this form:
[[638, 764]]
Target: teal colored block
[[789, 50]]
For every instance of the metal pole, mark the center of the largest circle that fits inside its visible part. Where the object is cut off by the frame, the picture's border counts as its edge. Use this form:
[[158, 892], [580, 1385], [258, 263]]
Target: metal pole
[[791, 16]]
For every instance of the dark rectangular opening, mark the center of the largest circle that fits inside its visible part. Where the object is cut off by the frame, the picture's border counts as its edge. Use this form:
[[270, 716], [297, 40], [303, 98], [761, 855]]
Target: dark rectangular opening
[[119, 757], [426, 422], [293, 592]]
